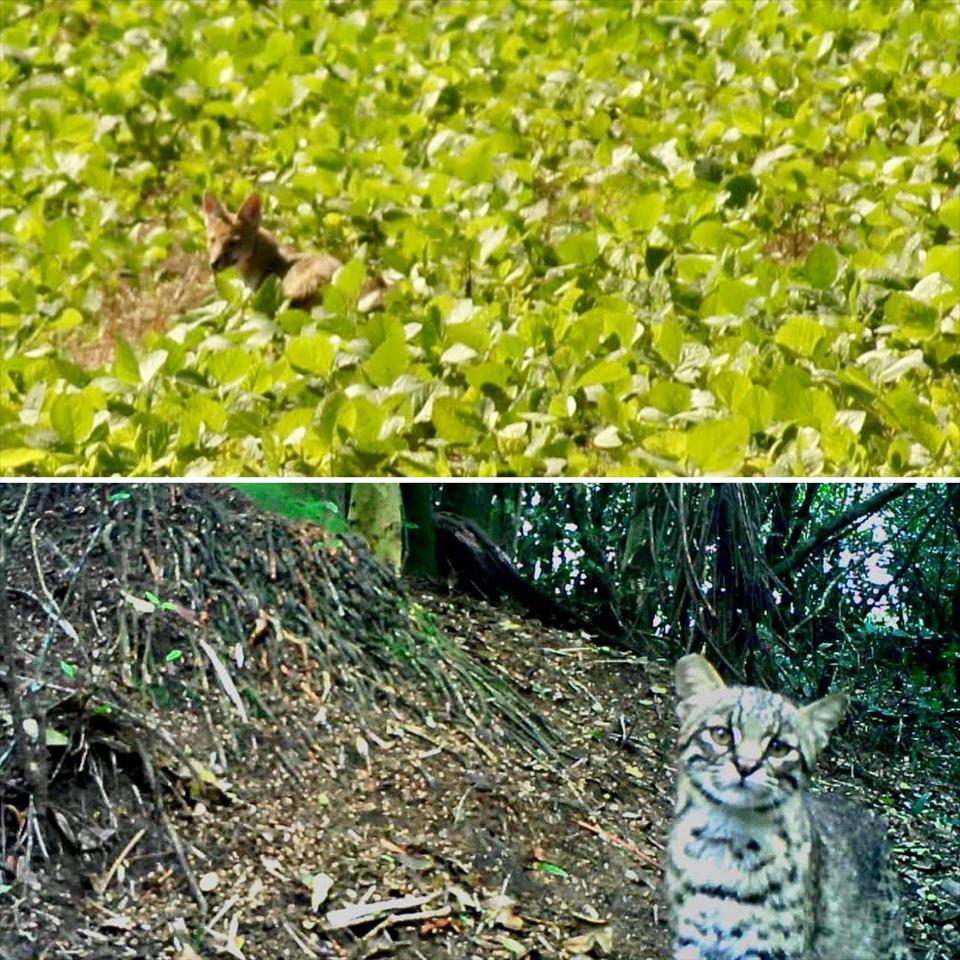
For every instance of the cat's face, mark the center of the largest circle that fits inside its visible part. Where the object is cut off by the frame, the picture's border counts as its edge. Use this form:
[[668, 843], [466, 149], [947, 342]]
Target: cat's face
[[744, 747]]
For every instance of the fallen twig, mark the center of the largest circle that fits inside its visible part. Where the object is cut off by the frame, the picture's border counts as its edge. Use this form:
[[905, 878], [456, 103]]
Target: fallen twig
[[395, 918], [195, 892], [619, 842], [100, 884], [364, 912]]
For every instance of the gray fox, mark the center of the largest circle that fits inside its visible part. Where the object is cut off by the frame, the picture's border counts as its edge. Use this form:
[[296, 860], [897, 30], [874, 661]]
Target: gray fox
[[238, 240]]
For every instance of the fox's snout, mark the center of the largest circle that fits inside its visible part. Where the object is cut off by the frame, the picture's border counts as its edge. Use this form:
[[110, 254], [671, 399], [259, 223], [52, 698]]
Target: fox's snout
[[224, 256]]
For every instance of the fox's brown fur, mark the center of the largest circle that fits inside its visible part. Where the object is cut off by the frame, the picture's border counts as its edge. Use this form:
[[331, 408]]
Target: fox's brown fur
[[238, 240]]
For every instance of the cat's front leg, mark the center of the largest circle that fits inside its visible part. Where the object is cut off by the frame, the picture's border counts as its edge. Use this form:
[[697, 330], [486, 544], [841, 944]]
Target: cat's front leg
[[694, 951]]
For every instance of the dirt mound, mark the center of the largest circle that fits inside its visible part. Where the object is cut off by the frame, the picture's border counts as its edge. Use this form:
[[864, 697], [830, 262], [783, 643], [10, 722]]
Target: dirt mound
[[259, 744]]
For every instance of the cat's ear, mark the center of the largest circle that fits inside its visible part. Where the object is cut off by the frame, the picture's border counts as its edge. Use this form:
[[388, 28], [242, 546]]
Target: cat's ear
[[818, 720], [692, 676], [695, 674]]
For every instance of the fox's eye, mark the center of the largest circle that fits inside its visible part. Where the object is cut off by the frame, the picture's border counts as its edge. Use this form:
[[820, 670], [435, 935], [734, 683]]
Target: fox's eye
[[777, 748], [721, 736]]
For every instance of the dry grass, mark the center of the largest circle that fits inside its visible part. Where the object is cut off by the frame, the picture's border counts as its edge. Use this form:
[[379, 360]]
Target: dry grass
[[792, 246], [137, 306]]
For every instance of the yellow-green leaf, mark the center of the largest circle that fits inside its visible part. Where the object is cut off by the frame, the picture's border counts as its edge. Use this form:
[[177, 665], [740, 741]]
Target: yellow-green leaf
[[719, 446], [801, 335], [311, 353]]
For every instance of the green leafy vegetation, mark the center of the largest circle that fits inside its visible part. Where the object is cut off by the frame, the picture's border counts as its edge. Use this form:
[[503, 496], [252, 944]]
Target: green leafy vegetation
[[297, 502], [671, 238], [802, 588]]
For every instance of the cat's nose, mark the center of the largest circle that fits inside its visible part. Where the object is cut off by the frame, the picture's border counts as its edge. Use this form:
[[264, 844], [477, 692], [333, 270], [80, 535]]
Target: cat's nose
[[746, 765]]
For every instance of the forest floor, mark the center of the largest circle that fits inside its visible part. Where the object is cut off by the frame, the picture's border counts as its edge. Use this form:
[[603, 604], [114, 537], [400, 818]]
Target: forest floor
[[395, 831]]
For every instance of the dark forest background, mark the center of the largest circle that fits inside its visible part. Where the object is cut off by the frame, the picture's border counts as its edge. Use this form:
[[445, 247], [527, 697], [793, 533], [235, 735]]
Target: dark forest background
[[801, 587]]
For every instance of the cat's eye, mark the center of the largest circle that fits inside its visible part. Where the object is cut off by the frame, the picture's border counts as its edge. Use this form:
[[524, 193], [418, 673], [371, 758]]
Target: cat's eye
[[721, 736], [777, 748]]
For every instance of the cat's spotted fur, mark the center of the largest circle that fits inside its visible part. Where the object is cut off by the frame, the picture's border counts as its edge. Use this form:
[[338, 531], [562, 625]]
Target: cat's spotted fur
[[757, 868]]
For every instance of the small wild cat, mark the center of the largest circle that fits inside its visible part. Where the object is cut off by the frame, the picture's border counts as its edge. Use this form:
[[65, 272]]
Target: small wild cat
[[757, 868]]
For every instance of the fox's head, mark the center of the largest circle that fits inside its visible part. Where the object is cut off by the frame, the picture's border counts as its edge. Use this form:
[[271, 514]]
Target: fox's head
[[230, 237]]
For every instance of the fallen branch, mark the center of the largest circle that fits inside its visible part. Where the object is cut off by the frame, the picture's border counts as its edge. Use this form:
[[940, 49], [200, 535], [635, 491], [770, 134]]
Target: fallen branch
[[631, 848], [364, 912], [100, 884]]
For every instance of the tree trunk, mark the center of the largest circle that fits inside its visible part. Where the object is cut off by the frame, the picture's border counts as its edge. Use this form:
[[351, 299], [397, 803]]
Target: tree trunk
[[375, 512], [421, 532]]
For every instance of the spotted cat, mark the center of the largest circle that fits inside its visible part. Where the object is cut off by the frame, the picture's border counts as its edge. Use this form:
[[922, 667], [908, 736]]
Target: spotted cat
[[757, 868]]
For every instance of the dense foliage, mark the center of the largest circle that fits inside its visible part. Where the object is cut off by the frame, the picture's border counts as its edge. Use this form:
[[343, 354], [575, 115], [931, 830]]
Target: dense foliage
[[799, 587], [668, 237]]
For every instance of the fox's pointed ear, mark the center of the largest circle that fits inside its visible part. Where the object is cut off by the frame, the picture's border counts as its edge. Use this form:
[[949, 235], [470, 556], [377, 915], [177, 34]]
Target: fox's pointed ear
[[212, 207], [250, 211]]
